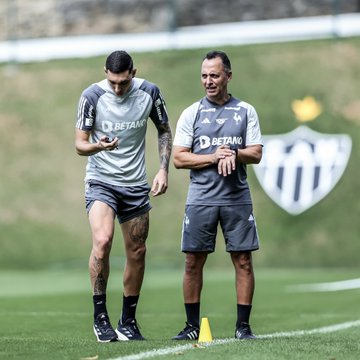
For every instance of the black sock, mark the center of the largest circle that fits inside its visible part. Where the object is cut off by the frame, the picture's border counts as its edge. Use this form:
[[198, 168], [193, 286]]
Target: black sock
[[99, 304], [193, 314], [129, 307], [243, 314]]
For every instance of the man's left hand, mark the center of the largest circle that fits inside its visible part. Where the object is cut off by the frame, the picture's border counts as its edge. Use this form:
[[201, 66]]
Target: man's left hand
[[227, 165], [160, 183]]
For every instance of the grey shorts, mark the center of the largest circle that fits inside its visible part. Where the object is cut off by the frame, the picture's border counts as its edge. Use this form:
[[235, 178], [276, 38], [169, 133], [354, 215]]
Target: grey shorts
[[237, 223], [127, 202]]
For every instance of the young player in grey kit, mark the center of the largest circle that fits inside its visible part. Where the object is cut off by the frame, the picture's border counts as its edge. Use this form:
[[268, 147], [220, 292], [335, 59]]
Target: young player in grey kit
[[110, 130]]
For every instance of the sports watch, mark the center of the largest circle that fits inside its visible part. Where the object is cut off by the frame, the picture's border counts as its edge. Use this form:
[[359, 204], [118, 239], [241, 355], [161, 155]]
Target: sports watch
[[234, 147]]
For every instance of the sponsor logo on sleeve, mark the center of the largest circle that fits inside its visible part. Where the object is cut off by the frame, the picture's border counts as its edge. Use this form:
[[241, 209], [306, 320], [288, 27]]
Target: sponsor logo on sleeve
[[158, 104], [89, 122]]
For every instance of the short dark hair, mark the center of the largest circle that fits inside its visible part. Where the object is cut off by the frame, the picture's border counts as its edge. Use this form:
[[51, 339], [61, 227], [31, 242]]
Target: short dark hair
[[224, 58], [119, 61]]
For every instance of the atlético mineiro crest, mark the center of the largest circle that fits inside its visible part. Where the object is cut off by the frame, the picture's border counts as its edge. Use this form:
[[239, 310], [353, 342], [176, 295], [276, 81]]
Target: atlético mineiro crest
[[300, 168]]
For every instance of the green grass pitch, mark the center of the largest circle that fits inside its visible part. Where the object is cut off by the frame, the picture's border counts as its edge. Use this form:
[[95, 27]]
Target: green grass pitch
[[48, 315]]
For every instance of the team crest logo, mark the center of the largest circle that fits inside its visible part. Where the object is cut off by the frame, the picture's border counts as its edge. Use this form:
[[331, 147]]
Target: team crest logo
[[237, 118], [300, 168], [221, 121]]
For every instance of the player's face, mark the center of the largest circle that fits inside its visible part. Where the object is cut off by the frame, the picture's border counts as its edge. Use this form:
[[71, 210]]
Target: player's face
[[121, 82], [215, 79]]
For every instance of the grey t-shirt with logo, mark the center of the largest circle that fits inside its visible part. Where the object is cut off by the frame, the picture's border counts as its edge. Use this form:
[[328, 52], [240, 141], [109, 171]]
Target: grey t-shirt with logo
[[204, 126], [102, 113]]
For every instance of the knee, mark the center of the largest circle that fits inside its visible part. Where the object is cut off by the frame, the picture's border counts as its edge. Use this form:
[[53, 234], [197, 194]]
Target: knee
[[193, 264], [243, 262], [137, 254], [102, 244]]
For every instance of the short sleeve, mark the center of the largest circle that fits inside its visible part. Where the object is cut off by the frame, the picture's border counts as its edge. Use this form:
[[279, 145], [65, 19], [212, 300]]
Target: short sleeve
[[184, 133], [253, 133], [87, 107]]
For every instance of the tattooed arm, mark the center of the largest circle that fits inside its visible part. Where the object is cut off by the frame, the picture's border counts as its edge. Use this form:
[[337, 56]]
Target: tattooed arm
[[160, 183]]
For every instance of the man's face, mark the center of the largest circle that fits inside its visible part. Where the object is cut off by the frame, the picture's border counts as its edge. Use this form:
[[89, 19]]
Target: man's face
[[215, 79], [121, 82]]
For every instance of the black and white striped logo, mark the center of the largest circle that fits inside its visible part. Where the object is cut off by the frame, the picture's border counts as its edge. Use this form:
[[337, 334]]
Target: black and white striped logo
[[301, 167]]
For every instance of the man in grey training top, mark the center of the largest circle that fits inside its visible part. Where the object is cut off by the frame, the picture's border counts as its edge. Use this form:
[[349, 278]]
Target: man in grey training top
[[215, 138], [110, 130]]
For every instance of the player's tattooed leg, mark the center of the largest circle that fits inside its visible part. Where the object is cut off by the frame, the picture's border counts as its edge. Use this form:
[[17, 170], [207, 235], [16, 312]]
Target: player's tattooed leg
[[139, 229], [99, 272]]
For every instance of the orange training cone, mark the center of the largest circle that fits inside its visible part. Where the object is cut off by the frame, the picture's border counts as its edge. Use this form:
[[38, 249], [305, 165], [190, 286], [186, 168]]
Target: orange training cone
[[205, 332]]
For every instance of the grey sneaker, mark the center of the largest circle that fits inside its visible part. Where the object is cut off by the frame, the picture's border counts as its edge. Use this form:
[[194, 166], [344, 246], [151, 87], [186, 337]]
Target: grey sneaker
[[243, 332], [190, 332], [129, 330], [103, 329]]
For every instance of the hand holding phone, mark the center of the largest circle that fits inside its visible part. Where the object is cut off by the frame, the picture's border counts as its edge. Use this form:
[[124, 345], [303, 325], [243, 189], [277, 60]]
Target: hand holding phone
[[109, 140]]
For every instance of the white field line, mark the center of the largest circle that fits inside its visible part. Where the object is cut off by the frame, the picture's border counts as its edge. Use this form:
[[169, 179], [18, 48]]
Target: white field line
[[327, 286], [45, 313], [181, 348]]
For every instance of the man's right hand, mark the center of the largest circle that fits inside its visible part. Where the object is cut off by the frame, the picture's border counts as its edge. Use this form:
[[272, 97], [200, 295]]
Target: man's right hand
[[106, 144]]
